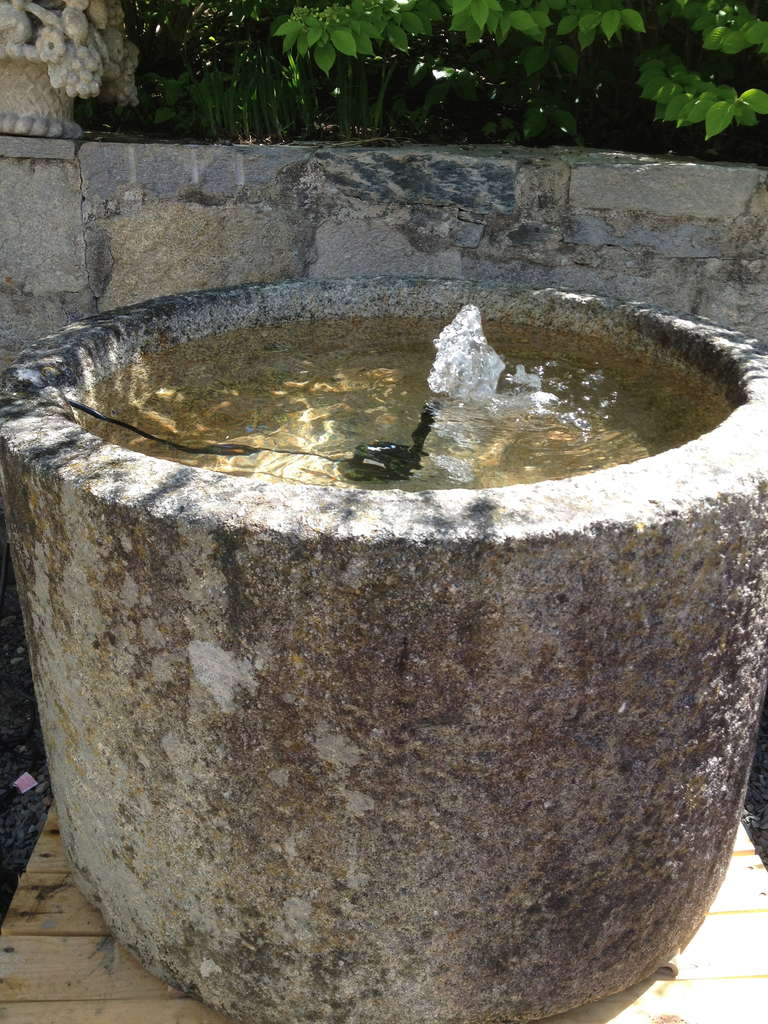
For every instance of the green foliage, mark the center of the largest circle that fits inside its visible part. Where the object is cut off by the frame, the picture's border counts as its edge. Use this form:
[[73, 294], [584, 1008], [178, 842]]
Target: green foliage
[[591, 71], [688, 96]]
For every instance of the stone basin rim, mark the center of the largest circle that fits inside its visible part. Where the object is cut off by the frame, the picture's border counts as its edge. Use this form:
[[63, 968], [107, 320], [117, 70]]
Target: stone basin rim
[[732, 458]]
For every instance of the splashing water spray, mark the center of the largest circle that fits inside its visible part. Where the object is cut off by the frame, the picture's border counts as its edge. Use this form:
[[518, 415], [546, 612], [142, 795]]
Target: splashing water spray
[[466, 368]]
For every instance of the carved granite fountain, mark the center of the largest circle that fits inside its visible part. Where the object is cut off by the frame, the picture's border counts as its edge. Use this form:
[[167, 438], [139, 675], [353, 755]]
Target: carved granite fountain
[[52, 51], [347, 755]]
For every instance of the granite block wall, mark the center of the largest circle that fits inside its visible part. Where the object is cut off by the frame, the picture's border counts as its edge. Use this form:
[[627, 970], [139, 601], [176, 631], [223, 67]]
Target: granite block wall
[[95, 225]]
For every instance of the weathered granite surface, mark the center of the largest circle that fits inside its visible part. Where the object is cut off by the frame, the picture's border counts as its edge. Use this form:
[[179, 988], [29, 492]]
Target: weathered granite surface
[[43, 275], [330, 755], [156, 218]]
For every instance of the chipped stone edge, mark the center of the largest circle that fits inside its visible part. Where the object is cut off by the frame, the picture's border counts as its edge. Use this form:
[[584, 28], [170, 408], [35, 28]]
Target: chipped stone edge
[[36, 422]]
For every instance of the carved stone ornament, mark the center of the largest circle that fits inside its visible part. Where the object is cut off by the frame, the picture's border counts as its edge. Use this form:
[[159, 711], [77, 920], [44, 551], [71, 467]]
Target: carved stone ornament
[[52, 51]]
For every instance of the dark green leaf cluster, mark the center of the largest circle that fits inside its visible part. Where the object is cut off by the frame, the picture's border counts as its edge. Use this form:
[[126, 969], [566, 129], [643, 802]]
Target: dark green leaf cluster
[[612, 73]]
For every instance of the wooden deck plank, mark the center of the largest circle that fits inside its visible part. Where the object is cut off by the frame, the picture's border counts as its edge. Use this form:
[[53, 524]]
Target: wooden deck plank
[[37, 968], [674, 1002], [745, 887], [48, 855], [51, 905], [58, 966], [111, 1011], [743, 845], [727, 946]]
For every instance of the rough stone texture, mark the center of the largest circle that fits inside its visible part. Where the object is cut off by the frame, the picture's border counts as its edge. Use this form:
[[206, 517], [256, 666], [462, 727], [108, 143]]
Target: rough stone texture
[[705, 192], [188, 245], [366, 757], [369, 248], [43, 277], [42, 248], [37, 149], [152, 218], [428, 176], [41, 314]]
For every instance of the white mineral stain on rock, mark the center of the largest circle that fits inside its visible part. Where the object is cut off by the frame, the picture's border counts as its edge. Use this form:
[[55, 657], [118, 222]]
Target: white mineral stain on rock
[[41, 602], [161, 668], [279, 776], [152, 635], [173, 746], [295, 924], [289, 848], [354, 573], [130, 591], [357, 803], [209, 967], [357, 879], [335, 747], [221, 673]]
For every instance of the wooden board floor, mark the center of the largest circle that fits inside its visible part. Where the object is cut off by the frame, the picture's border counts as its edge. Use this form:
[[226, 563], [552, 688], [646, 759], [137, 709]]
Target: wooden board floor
[[58, 964]]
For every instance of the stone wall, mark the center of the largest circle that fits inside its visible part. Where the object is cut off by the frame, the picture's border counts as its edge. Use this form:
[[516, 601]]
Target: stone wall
[[94, 225]]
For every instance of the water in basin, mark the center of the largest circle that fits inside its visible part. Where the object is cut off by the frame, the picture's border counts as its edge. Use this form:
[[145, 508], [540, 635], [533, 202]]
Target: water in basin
[[529, 406]]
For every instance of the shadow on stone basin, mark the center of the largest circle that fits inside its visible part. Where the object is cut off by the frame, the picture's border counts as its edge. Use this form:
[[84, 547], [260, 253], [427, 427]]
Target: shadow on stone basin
[[355, 756]]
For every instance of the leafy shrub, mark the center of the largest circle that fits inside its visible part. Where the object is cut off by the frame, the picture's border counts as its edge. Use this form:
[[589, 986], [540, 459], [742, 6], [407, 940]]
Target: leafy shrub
[[626, 73]]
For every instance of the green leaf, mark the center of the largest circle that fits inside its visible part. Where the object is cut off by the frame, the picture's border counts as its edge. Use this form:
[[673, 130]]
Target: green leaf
[[397, 37], [713, 39], [479, 11], [163, 114], [589, 21], [534, 58], [734, 42], [567, 58], [364, 47], [291, 34], [567, 24], [541, 18], [534, 122], [756, 99], [523, 22], [314, 34], [325, 56], [757, 33], [430, 10], [610, 23], [460, 5], [745, 115], [413, 23], [719, 116], [565, 120], [344, 41], [633, 19], [675, 106], [698, 110]]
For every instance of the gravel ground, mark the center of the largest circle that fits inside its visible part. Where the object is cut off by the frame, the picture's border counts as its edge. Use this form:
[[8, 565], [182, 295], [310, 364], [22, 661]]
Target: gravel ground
[[21, 750]]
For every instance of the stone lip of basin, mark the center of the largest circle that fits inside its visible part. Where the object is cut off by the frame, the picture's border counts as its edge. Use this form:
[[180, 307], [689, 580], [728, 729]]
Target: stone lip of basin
[[368, 757]]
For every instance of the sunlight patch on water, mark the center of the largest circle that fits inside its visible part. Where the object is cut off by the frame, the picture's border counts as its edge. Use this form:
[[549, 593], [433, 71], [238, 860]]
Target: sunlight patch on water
[[552, 404]]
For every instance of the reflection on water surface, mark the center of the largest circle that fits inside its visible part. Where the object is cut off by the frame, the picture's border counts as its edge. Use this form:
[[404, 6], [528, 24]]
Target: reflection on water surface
[[565, 405]]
